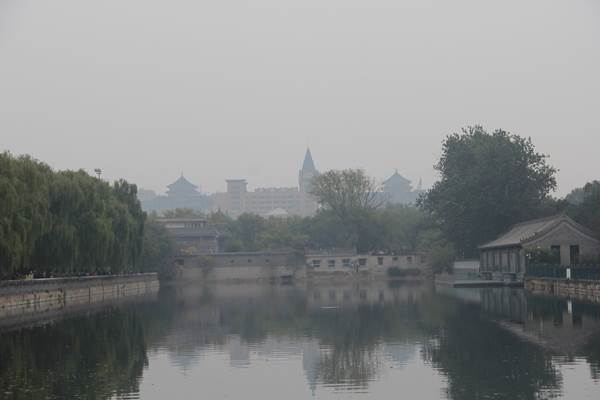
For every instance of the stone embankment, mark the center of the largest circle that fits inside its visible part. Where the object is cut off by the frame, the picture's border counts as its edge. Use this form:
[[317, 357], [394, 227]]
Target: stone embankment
[[27, 297], [578, 289]]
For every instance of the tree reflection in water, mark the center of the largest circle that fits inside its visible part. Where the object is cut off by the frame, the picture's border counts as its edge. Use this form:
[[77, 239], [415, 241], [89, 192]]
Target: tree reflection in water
[[85, 357], [497, 345], [483, 361]]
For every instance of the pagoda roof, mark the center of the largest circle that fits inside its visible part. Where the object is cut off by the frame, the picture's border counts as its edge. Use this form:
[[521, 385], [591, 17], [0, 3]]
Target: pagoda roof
[[396, 178], [182, 184]]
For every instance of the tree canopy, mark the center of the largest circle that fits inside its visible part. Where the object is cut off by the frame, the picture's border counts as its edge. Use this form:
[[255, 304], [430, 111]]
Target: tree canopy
[[489, 181], [585, 206], [66, 222]]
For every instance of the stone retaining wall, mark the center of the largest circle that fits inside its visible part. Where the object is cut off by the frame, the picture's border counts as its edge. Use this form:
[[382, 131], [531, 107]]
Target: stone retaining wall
[[43, 295], [579, 289]]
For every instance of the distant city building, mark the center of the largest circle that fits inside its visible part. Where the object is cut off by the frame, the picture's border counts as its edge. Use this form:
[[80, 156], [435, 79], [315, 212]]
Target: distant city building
[[277, 202], [398, 190], [268, 202]]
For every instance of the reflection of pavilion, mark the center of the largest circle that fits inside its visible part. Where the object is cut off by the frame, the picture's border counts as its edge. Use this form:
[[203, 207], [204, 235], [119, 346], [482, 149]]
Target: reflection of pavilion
[[557, 324]]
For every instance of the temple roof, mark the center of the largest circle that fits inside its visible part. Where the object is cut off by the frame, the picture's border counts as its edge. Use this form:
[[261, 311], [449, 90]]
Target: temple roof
[[395, 179], [308, 164], [182, 184]]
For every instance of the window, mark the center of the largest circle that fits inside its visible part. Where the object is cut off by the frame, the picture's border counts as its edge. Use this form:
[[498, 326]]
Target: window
[[267, 260], [362, 262], [379, 260], [423, 259], [395, 258], [232, 261], [316, 263], [180, 262], [574, 250], [346, 262], [409, 259], [332, 295], [249, 261], [331, 263]]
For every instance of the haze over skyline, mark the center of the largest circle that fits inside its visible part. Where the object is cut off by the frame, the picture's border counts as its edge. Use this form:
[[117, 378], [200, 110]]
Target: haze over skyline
[[146, 90]]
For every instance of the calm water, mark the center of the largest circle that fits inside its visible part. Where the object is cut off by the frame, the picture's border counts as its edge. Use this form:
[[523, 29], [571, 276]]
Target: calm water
[[353, 341]]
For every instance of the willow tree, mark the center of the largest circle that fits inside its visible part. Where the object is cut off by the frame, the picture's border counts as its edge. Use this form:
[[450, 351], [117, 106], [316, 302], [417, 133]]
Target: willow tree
[[65, 222]]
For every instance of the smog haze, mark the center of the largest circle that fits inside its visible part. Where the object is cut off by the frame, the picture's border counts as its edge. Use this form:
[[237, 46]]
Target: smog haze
[[148, 89]]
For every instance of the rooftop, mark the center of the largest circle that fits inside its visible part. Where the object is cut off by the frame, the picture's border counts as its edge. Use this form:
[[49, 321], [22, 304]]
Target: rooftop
[[308, 164], [524, 231], [182, 184], [396, 178]]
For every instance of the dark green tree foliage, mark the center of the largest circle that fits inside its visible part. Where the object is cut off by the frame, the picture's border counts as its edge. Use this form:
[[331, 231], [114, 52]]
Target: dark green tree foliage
[[586, 209], [66, 222], [489, 181], [393, 229], [94, 357], [157, 251]]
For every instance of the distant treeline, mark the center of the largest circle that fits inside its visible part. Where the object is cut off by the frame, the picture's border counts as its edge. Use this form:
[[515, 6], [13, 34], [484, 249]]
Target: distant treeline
[[391, 229], [67, 222]]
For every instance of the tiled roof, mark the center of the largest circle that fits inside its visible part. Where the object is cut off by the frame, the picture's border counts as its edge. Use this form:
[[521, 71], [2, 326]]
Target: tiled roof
[[182, 183], [525, 231], [396, 178]]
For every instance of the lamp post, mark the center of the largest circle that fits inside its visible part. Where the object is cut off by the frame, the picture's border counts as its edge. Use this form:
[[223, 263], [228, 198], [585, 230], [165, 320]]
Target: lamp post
[[98, 172]]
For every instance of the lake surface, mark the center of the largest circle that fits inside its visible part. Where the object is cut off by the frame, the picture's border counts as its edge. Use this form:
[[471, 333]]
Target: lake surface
[[342, 341]]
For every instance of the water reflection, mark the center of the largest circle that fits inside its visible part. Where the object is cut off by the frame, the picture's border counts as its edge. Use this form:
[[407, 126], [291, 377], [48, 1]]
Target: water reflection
[[358, 340]]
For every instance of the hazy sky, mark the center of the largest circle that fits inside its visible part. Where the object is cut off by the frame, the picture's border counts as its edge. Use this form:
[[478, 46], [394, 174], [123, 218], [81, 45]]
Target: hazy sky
[[145, 89]]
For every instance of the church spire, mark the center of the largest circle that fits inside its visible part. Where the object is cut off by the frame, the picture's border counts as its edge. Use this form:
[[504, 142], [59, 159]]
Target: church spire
[[308, 164]]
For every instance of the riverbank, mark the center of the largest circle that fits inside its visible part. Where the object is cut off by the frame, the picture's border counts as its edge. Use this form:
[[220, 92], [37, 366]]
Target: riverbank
[[567, 288], [38, 296]]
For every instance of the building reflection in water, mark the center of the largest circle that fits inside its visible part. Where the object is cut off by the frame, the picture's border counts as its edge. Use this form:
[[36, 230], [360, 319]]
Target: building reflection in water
[[493, 343]]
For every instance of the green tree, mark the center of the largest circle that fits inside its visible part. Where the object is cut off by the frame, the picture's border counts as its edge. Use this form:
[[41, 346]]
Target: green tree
[[65, 222], [183, 213], [157, 251], [488, 183], [246, 231], [586, 210], [352, 197]]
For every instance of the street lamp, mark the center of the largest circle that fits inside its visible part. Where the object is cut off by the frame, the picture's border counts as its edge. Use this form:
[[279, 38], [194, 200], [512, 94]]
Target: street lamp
[[98, 172]]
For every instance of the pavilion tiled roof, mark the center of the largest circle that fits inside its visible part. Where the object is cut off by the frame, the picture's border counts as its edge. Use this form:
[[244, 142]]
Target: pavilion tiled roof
[[523, 232]]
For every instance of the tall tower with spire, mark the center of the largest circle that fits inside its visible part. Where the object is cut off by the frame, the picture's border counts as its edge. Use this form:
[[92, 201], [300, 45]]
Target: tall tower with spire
[[308, 172]]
